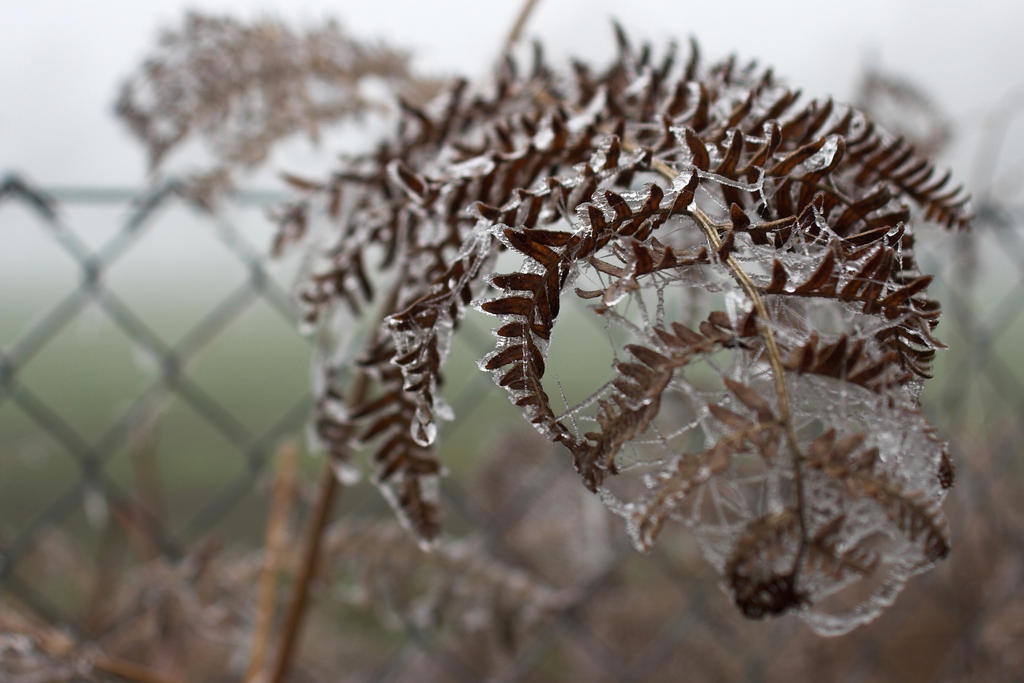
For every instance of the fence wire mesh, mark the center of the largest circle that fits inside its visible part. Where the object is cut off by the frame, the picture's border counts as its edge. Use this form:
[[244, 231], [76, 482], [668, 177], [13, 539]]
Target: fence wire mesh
[[150, 373]]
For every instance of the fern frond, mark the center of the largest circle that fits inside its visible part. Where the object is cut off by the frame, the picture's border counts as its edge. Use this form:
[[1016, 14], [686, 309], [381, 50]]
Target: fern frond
[[751, 259]]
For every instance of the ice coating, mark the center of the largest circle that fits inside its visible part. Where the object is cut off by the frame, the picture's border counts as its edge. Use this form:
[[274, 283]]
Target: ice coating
[[347, 474], [870, 510], [747, 262], [720, 503]]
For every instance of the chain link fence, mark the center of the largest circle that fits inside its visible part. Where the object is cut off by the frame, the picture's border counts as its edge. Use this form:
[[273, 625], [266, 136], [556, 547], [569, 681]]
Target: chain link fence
[[150, 373], [45, 431]]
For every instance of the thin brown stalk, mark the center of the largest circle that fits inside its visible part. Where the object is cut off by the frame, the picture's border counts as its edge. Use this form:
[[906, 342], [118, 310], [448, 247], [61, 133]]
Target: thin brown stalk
[[774, 359], [110, 568], [326, 493], [520, 23], [137, 524], [277, 531], [310, 558], [146, 470], [710, 231]]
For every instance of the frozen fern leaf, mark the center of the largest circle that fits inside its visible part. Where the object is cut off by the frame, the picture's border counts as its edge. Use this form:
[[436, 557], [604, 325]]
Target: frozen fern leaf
[[748, 261]]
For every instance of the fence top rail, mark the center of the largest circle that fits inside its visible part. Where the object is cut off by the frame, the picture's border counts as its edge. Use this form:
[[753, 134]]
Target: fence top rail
[[19, 185]]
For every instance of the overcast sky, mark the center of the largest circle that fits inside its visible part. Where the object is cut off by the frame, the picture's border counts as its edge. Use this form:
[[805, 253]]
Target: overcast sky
[[61, 60]]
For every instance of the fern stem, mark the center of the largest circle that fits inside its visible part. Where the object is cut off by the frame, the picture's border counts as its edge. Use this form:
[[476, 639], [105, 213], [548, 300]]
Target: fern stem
[[517, 28], [774, 359], [310, 559], [274, 548], [710, 231], [315, 530]]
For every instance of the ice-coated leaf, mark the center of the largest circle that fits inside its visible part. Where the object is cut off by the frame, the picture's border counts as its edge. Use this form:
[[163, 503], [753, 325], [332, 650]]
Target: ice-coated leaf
[[749, 263]]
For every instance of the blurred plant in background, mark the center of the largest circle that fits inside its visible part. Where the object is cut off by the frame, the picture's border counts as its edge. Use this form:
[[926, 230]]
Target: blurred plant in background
[[242, 88]]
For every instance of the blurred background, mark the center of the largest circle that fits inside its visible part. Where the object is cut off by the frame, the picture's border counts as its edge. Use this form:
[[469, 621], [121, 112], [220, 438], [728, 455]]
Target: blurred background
[[154, 390]]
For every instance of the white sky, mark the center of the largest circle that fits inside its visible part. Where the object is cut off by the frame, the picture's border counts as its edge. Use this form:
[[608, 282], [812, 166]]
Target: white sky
[[61, 60]]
